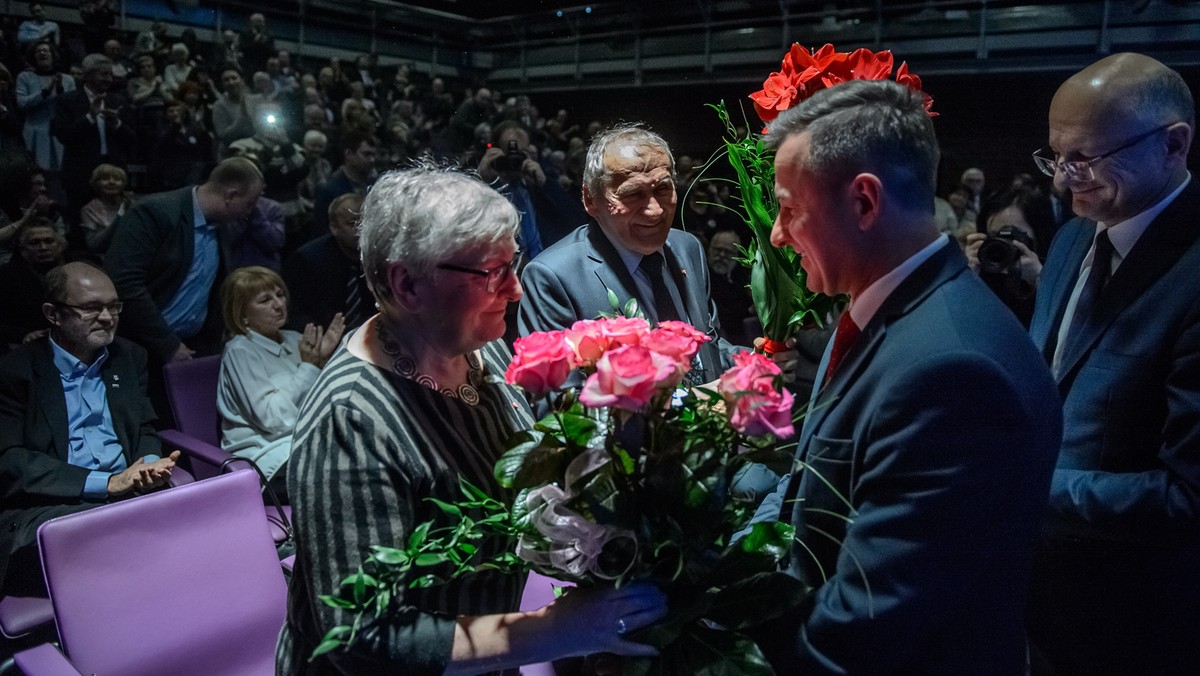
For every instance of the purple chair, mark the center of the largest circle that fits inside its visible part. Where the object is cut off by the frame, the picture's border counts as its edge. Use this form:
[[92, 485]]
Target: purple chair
[[539, 592], [192, 392], [178, 582]]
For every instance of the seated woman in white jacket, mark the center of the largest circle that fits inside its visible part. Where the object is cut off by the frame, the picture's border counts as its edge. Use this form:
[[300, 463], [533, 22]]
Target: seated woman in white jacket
[[265, 370]]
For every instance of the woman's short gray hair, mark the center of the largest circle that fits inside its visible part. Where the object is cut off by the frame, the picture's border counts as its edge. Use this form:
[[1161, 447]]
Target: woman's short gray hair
[[421, 216], [632, 133]]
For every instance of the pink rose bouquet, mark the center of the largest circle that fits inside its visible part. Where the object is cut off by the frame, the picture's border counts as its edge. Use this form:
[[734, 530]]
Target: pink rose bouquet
[[627, 479]]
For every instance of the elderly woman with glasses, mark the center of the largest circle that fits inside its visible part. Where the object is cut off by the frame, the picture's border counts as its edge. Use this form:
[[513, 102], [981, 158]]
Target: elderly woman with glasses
[[413, 403]]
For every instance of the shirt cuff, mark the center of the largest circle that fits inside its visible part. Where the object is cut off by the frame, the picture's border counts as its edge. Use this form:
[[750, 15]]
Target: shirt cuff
[[96, 485]]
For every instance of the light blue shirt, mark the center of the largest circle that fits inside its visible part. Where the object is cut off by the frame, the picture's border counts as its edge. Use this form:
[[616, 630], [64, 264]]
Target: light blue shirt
[[92, 439], [186, 312]]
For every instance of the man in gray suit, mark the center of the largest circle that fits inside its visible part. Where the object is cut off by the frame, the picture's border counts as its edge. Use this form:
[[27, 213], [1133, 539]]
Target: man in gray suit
[[630, 251]]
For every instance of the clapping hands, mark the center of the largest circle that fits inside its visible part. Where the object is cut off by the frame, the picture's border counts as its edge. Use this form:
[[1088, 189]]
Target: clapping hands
[[318, 343]]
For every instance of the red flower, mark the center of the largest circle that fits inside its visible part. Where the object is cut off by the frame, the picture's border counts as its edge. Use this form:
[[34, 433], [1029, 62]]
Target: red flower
[[803, 74]]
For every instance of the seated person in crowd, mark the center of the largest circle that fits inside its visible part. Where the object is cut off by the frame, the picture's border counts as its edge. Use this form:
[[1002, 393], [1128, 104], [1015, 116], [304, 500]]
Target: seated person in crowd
[[39, 249], [168, 257], [1019, 224], [28, 200], [356, 174], [326, 274], [75, 428], [233, 113], [111, 202], [265, 370], [408, 407]]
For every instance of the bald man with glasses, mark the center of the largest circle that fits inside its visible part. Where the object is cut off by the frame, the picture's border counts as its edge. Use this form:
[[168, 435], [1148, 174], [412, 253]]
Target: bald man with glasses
[[1116, 582], [75, 423]]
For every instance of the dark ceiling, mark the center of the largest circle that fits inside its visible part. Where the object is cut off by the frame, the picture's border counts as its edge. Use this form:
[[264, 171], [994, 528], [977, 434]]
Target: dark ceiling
[[485, 10]]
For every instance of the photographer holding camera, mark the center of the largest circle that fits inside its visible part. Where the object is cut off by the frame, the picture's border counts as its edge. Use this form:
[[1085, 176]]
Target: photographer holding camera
[[1015, 226], [510, 166]]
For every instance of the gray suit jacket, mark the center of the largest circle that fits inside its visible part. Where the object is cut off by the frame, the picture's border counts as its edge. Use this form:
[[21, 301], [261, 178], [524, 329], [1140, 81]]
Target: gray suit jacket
[[570, 281]]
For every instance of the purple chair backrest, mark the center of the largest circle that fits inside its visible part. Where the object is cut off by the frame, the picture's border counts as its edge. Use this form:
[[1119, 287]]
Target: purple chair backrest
[[539, 592], [192, 390], [183, 581]]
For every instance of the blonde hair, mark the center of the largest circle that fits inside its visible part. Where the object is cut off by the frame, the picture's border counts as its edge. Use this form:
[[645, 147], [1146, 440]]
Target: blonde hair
[[104, 171], [239, 288]]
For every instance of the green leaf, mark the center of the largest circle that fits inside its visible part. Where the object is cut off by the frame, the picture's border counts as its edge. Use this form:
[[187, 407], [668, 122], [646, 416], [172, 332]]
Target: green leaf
[[613, 301], [325, 646], [430, 559], [446, 507], [755, 600], [577, 429], [509, 464], [632, 309], [773, 538], [419, 534], [705, 651], [337, 602], [390, 556]]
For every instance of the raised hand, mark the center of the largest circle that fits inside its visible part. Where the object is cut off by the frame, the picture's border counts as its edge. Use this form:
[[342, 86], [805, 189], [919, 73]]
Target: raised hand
[[332, 336]]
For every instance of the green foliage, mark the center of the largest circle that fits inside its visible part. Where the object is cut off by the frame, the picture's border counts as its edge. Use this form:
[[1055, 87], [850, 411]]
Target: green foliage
[[777, 280]]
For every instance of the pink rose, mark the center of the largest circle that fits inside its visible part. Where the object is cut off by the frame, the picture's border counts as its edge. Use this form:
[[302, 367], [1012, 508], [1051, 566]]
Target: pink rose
[[624, 330], [755, 406], [681, 349], [628, 377], [588, 340], [542, 362]]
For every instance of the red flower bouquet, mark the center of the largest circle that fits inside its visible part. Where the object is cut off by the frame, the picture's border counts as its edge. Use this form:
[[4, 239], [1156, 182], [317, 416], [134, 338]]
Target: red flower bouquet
[[777, 280]]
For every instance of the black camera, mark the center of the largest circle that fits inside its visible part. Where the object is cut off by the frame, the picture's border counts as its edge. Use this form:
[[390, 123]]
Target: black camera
[[998, 256], [511, 161]]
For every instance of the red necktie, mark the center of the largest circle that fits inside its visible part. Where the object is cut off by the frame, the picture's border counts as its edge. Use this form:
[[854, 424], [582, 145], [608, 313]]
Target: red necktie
[[844, 339]]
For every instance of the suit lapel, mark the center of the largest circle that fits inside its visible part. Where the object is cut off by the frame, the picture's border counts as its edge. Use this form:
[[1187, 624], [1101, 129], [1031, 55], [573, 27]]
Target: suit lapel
[[1158, 249], [608, 267], [52, 400], [1059, 288]]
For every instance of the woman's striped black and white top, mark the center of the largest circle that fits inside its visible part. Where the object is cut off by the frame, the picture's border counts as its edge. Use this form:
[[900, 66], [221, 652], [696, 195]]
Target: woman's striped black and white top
[[369, 447]]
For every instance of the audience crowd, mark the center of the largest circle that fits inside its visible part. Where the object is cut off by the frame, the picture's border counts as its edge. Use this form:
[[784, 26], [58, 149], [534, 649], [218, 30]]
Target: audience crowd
[[212, 196]]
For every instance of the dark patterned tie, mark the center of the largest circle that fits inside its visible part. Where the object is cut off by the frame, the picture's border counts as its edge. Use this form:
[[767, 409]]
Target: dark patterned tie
[[354, 300], [1097, 277], [844, 339], [664, 306]]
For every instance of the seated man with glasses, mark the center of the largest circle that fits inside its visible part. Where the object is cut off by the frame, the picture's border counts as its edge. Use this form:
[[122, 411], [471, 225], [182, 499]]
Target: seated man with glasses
[[75, 428], [1115, 588]]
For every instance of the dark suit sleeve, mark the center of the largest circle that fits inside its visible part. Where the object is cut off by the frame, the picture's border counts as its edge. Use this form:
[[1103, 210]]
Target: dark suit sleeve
[[916, 544], [29, 474], [137, 241], [1134, 505], [546, 305], [70, 124]]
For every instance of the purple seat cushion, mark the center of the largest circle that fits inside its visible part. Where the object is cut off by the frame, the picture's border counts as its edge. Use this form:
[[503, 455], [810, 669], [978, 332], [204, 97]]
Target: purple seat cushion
[[20, 615], [192, 568]]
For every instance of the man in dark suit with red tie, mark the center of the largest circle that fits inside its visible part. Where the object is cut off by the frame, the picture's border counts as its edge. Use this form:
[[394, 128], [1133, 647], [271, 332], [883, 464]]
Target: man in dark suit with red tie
[[1116, 588], [922, 469]]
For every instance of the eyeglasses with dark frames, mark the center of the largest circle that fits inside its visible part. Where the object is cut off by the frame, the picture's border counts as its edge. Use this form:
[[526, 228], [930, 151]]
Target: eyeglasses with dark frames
[[89, 312], [495, 276], [1081, 170]]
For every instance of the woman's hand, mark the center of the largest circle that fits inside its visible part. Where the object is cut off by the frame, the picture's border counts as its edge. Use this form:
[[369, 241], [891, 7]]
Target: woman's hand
[[310, 345], [587, 621], [330, 339]]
